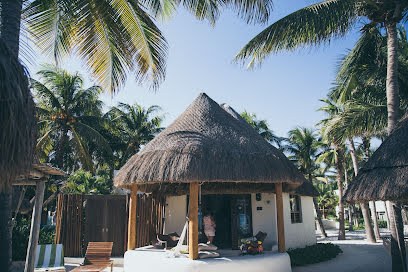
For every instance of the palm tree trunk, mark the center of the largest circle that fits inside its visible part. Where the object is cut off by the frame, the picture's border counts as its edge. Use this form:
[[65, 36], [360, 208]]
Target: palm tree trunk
[[365, 210], [318, 214], [375, 220], [396, 226], [387, 215], [10, 34], [364, 206], [5, 228], [339, 166], [61, 148], [10, 24], [319, 219], [350, 212]]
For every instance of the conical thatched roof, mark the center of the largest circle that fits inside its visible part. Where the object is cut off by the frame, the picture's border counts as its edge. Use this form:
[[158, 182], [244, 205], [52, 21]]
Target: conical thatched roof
[[385, 175], [208, 144]]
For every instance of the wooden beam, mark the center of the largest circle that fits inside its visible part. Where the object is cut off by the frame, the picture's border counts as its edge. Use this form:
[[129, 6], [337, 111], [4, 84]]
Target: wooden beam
[[280, 220], [193, 222], [131, 244], [35, 227]]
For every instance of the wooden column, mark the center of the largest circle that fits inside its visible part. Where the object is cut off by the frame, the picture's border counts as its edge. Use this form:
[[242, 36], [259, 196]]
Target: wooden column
[[35, 227], [280, 220], [193, 222], [131, 244]]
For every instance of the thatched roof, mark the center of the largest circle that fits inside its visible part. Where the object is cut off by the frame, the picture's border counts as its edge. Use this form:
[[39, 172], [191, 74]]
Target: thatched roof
[[385, 175], [207, 143], [38, 171]]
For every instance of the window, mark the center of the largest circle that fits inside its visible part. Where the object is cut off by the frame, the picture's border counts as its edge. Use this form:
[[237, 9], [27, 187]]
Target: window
[[295, 209]]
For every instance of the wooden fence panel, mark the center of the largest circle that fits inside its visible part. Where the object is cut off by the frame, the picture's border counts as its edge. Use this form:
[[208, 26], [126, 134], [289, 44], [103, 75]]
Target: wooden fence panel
[[69, 224], [104, 219]]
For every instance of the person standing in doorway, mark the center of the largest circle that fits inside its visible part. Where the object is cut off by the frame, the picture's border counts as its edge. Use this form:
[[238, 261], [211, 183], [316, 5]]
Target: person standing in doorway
[[209, 227]]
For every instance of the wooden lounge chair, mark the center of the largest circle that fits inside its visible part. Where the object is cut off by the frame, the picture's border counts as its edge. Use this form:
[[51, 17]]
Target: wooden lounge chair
[[49, 258], [97, 257]]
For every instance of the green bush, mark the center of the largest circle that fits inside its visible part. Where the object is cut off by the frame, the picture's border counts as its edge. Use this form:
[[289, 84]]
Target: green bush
[[21, 233], [382, 224], [313, 254]]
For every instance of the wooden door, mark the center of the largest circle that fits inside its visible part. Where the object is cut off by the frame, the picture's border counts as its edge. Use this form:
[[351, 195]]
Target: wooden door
[[116, 225], [106, 221]]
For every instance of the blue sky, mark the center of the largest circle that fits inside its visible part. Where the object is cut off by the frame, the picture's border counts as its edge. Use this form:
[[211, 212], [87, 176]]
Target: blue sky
[[285, 90]]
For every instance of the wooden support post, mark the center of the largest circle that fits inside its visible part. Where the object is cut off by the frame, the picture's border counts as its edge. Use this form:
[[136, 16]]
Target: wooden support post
[[193, 222], [35, 227], [131, 244], [279, 216]]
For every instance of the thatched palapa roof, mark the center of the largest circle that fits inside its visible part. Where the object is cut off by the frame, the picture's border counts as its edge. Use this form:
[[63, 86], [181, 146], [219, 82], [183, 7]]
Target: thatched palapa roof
[[210, 144], [385, 175]]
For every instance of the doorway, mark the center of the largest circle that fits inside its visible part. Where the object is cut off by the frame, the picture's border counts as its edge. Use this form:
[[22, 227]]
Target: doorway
[[233, 218]]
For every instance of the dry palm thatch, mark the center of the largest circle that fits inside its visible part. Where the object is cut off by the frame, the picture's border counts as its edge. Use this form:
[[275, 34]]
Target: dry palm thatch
[[17, 118], [209, 144], [385, 175]]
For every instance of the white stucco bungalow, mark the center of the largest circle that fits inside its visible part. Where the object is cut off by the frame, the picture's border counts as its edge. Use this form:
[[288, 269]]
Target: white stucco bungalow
[[209, 159]]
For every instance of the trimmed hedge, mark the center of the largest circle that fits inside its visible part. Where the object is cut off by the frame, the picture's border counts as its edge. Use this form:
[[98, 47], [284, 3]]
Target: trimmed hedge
[[317, 253]]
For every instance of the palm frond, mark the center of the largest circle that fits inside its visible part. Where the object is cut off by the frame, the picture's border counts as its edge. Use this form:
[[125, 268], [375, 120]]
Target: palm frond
[[310, 26]]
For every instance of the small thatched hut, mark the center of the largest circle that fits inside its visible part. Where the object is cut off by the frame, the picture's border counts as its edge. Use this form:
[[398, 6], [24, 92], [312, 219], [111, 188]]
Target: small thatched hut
[[385, 175], [210, 150]]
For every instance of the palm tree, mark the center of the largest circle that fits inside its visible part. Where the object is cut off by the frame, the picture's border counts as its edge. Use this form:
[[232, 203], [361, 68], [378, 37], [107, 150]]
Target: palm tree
[[112, 36], [320, 23], [18, 133], [135, 126], [304, 147], [262, 127], [327, 198], [333, 155], [68, 115]]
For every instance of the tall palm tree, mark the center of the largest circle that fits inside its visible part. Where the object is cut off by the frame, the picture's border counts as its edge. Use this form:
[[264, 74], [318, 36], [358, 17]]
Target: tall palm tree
[[304, 147], [135, 126], [262, 127], [18, 133], [112, 36], [333, 155], [320, 23], [67, 117]]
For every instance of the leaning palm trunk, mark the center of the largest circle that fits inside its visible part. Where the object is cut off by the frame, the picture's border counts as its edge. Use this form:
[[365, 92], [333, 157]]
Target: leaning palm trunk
[[375, 220], [365, 210], [319, 219], [17, 134], [387, 215], [318, 213], [339, 166], [396, 227]]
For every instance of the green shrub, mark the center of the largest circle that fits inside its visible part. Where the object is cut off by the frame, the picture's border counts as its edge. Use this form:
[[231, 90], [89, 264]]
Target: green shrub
[[21, 233], [382, 224], [313, 254]]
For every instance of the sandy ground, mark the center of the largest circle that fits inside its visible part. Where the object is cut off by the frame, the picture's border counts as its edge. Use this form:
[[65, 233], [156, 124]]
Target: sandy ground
[[357, 256]]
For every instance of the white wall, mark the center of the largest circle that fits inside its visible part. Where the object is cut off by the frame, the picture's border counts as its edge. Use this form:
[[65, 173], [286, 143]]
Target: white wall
[[299, 234], [265, 219], [175, 214]]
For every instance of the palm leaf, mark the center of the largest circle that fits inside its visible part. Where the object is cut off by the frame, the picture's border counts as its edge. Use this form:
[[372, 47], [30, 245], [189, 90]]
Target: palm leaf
[[310, 26]]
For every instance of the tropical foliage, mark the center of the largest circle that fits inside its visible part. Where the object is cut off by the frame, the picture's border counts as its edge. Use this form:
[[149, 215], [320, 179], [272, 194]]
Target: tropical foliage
[[68, 120], [134, 126], [262, 127]]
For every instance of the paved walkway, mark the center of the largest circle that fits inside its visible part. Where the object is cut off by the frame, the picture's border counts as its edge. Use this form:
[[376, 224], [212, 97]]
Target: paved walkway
[[358, 255]]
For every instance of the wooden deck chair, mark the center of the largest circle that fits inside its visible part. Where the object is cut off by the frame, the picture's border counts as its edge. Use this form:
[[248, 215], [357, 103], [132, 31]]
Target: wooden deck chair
[[97, 257], [49, 258]]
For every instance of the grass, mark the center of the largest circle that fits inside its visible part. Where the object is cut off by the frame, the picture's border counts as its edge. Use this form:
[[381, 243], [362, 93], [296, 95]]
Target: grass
[[317, 253]]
